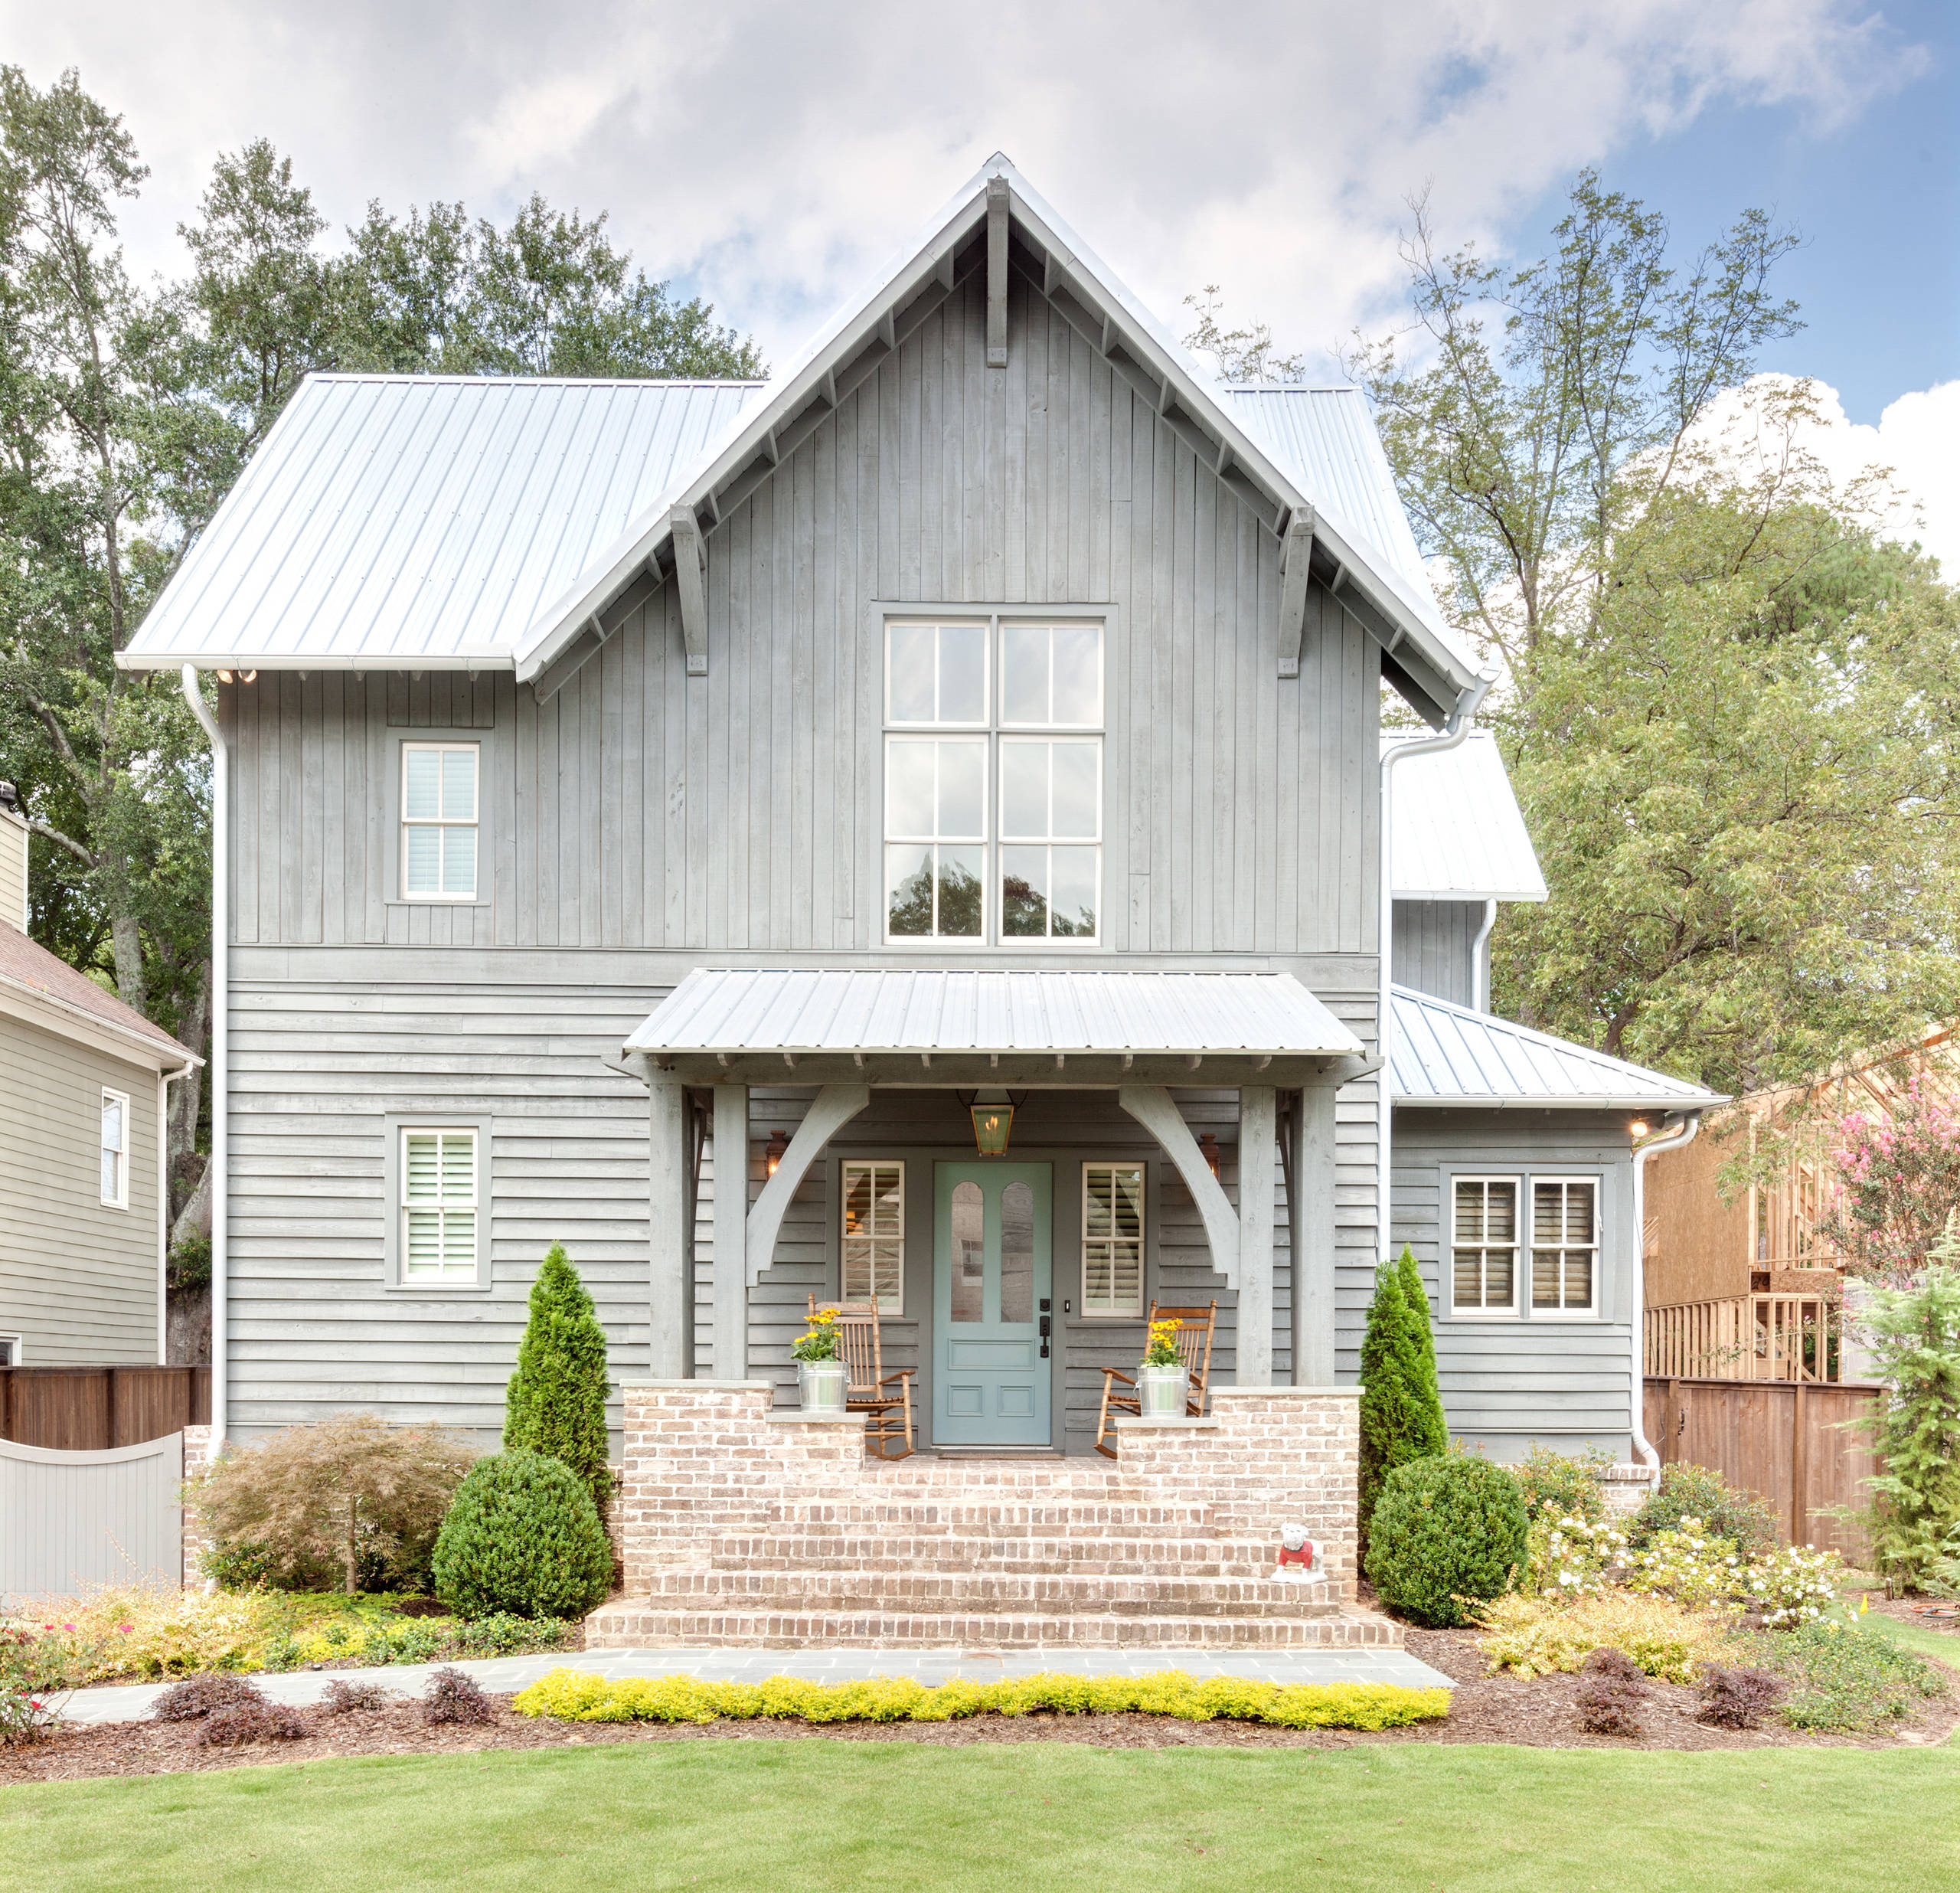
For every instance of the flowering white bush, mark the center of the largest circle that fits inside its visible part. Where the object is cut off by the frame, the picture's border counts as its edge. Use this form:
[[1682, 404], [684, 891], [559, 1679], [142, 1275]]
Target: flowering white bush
[[1569, 1557], [1690, 1567], [1794, 1586]]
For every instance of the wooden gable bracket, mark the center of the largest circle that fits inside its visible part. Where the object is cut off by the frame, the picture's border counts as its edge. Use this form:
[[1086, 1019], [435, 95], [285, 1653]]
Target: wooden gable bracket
[[997, 272], [690, 563], [1296, 556]]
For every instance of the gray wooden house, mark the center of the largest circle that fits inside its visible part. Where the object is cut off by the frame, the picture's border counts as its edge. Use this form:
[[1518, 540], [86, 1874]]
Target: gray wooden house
[[84, 1084], [657, 817]]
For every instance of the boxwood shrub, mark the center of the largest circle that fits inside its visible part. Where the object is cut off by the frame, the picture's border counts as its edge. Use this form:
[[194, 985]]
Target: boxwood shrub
[[522, 1535], [1447, 1534]]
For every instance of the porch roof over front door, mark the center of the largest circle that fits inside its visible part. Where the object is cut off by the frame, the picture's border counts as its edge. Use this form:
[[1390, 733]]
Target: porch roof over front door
[[939, 1026]]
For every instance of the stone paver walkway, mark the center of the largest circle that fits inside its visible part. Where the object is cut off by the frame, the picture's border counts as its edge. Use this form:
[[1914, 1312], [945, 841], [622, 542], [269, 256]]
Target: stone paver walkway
[[131, 1701]]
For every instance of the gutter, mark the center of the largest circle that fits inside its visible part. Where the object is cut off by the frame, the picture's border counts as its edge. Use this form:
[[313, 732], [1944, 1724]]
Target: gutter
[[221, 1042], [1480, 958], [1455, 732], [1684, 1126]]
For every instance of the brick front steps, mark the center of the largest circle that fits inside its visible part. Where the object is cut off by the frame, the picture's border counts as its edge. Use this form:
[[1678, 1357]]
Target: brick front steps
[[743, 1527]]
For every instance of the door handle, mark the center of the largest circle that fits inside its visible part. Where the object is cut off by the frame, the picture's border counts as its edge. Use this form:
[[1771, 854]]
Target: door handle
[[1047, 1329]]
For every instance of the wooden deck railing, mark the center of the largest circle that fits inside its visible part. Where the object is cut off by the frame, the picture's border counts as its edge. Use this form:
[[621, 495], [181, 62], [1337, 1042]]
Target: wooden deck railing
[[1756, 1337]]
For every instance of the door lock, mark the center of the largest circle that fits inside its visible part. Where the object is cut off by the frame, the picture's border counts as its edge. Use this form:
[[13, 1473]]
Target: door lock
[[1047, 1329]]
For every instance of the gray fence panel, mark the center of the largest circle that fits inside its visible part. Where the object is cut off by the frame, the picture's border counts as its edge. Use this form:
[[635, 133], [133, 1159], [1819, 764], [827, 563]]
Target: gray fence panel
[[71, 1521]]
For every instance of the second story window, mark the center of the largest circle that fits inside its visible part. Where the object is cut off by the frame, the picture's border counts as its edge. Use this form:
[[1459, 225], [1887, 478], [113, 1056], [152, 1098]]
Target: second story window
[[115, 1149], [993, 818], [438, 821]]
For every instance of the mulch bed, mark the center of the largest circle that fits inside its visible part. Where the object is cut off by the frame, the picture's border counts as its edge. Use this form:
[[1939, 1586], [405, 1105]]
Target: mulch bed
[[1537, 1713]]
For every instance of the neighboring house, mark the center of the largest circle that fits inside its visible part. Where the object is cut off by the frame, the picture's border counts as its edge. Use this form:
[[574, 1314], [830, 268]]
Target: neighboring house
[[661, 815], [82, 1213]]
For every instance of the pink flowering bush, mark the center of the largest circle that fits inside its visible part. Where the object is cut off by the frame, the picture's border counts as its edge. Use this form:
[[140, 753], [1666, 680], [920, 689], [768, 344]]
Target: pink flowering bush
[[1898, 1186]]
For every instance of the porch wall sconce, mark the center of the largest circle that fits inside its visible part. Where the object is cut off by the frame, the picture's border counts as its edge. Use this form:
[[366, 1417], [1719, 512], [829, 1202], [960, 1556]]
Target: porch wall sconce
[[1207, 1145], [993, 1121], [779, 1143]]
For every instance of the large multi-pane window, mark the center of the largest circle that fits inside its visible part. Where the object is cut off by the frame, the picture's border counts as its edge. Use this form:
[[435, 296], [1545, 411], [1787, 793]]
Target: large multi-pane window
[[1113, 1238], [874, 1234], [993, 780], [1494, 1251]]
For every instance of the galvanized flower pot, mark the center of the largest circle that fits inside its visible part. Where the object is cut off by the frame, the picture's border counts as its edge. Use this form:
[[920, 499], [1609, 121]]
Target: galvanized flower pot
[[822, 1383], [1160, 1392]]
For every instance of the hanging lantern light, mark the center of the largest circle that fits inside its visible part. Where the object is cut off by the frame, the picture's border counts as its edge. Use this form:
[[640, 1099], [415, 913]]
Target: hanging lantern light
[[1208, 1146], [991, 1124], [779, 1143]]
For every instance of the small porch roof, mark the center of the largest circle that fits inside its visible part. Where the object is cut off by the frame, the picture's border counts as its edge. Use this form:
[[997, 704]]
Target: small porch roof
[[938, 1026]]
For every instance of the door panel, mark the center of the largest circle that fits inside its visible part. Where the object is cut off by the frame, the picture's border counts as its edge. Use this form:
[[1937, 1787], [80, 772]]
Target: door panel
[[992, 1272]]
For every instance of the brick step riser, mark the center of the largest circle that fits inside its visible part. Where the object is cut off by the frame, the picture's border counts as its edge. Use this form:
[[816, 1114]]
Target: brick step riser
[[888, 1547], [1058, 1519], [859, 1600], [1140, 1564], [655, 1630]]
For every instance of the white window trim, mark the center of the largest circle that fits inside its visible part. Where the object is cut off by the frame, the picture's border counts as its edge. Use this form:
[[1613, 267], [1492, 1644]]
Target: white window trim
[[403, 823], [11, 1344], [1143, 1241], [121, 1199], [1526, 1178], [993, 730], [1591, 1311], [950, 620], [896, 1306], [395, 1190]]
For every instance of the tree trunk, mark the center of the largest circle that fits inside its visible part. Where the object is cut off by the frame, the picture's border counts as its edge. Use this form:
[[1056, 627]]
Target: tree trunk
[[126, 933], [186, 1098], [194, 1218], [353, 1542]]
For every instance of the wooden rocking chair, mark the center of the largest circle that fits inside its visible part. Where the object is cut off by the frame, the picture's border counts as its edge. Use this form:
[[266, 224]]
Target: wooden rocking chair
[[867, 1386], [1194, 1331]]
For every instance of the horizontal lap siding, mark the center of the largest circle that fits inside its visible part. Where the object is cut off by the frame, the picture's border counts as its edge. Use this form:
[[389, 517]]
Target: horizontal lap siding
[[638, 807], [315, 1067], [78, 1280], [1507, 1384]]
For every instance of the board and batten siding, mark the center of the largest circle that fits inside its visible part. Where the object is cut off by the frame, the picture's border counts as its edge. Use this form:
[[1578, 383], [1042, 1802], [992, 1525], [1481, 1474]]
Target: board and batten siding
[[1435, 948], [1510, 1383], [637, 808], [78, 1280]]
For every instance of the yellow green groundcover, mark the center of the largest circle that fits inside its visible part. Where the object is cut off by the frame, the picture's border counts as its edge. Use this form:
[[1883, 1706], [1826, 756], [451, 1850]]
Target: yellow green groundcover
[[577, 1696]]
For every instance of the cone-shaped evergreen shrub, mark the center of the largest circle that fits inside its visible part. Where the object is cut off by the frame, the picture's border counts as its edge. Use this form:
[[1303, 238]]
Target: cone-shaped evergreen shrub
[[556, 1403], [522, 1535], [1445, 1530], [1418, 1298], [1401, 1412]]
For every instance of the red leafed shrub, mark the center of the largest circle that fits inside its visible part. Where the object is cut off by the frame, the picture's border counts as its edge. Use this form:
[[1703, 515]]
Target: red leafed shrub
[[453, 1697], [197, 1697], [250, 1722], [341, 1697], [1738, 1698], [1610, 1695]]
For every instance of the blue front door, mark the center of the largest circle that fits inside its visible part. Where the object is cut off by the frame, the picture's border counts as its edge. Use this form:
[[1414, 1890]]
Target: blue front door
[[991, 1264]]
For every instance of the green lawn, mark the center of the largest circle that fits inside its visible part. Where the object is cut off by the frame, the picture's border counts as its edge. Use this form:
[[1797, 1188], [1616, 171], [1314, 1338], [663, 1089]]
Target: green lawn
[[792, 1816]]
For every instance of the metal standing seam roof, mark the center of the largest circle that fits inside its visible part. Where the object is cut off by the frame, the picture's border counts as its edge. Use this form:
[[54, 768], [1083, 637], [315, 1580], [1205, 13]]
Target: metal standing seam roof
[[1441, 1054], [731, 1010], [394, 517], [1455, 831]]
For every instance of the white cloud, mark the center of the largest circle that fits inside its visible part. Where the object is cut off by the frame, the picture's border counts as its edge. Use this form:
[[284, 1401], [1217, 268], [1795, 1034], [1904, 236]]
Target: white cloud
[[774, 153], [1915, 445]]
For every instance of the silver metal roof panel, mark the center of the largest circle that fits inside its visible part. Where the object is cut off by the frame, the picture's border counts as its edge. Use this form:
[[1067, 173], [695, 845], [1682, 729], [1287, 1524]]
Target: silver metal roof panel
[[740, 1012], [396, 519], [1441, 1054], [1455, 831]]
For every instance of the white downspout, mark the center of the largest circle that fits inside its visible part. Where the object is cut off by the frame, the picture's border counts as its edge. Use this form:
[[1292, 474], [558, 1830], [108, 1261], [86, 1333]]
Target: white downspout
[[1454, 732], [1480, 960], [220, 1038], [1677, 1138]]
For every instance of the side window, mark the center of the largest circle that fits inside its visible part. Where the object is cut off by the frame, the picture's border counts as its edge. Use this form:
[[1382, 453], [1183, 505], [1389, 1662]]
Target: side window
[[1565, 1244], [438, 1206], [438, 821], [115, 1149], [874, 1234], [1484, 1244], [1113, 1238]]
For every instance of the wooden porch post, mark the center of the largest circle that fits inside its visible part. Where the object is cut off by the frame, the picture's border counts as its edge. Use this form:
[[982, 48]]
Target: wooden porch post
[[668, 1211], [731, 1232], [1312, 1209], [1257, 1106]]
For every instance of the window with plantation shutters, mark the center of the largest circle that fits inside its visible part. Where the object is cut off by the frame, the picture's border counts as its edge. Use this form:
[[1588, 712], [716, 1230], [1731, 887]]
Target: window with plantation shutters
[[873, 1235], [1565, 1244], [1113, 1238], [1484, 1248], [439, 824], [438, 1172]]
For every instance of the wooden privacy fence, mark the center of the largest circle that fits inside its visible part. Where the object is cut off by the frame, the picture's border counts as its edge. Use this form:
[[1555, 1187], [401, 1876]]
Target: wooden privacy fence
[[71, 1521], [94, 1409], [1786, 1440]]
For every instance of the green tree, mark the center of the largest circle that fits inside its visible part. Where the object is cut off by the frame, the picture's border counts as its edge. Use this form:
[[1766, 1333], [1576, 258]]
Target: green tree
[[1402, 1417], [555, 1402], [1417, 1297]]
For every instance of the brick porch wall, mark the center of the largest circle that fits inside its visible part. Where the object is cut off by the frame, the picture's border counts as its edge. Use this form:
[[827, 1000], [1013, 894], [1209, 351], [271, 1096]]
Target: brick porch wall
[[704, 1458], [197, 1457]]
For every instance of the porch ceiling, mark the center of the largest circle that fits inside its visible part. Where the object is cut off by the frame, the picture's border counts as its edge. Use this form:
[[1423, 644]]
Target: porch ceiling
[[940, 1026]]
